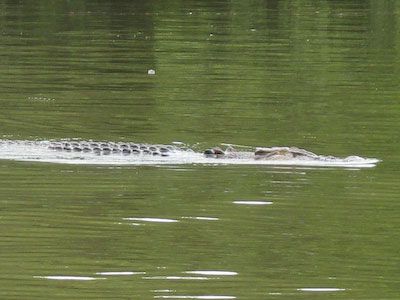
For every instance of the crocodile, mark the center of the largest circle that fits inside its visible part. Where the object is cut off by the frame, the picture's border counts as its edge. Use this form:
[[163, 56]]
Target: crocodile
[[175, 150], [107, 148]]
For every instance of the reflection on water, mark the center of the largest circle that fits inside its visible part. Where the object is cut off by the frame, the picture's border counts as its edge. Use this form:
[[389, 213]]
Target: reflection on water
[[253, 202], [156, 220], [79, 278], [177, 278], [218, 273], [202, 218], [322, 76], [119, 273], [299, 240], [321, 289]]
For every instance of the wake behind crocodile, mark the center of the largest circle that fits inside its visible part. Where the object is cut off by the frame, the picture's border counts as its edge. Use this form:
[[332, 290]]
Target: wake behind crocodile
[[126, 153]]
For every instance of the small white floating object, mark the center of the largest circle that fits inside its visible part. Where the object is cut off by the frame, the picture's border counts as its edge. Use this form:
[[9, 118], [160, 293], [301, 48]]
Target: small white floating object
[[209, 272], [79, 278], [253, 202], [321, 289], [119, 273], [156, 220], [151, 72]]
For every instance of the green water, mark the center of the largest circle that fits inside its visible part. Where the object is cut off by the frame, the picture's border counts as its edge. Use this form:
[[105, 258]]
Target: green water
[[323, 76]]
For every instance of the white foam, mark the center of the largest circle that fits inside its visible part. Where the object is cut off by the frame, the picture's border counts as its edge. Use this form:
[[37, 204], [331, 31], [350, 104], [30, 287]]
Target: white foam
[[78, 278]]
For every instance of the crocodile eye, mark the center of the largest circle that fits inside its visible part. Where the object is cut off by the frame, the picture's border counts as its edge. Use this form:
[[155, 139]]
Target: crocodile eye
[[218, 151], [208, 152]]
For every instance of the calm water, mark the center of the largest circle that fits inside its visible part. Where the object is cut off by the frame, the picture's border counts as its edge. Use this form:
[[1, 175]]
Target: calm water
[[322, 76]]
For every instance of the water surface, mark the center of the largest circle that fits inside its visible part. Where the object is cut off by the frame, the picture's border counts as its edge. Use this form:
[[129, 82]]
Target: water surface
[[320, 76]]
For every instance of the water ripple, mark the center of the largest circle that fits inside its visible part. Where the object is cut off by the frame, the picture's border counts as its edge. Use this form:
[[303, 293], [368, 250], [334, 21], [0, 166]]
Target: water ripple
[[78, 278], [211, 297], [120, 273], [155, 220], [177, 278], [321, 289], [253, 202], [211, 272]]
